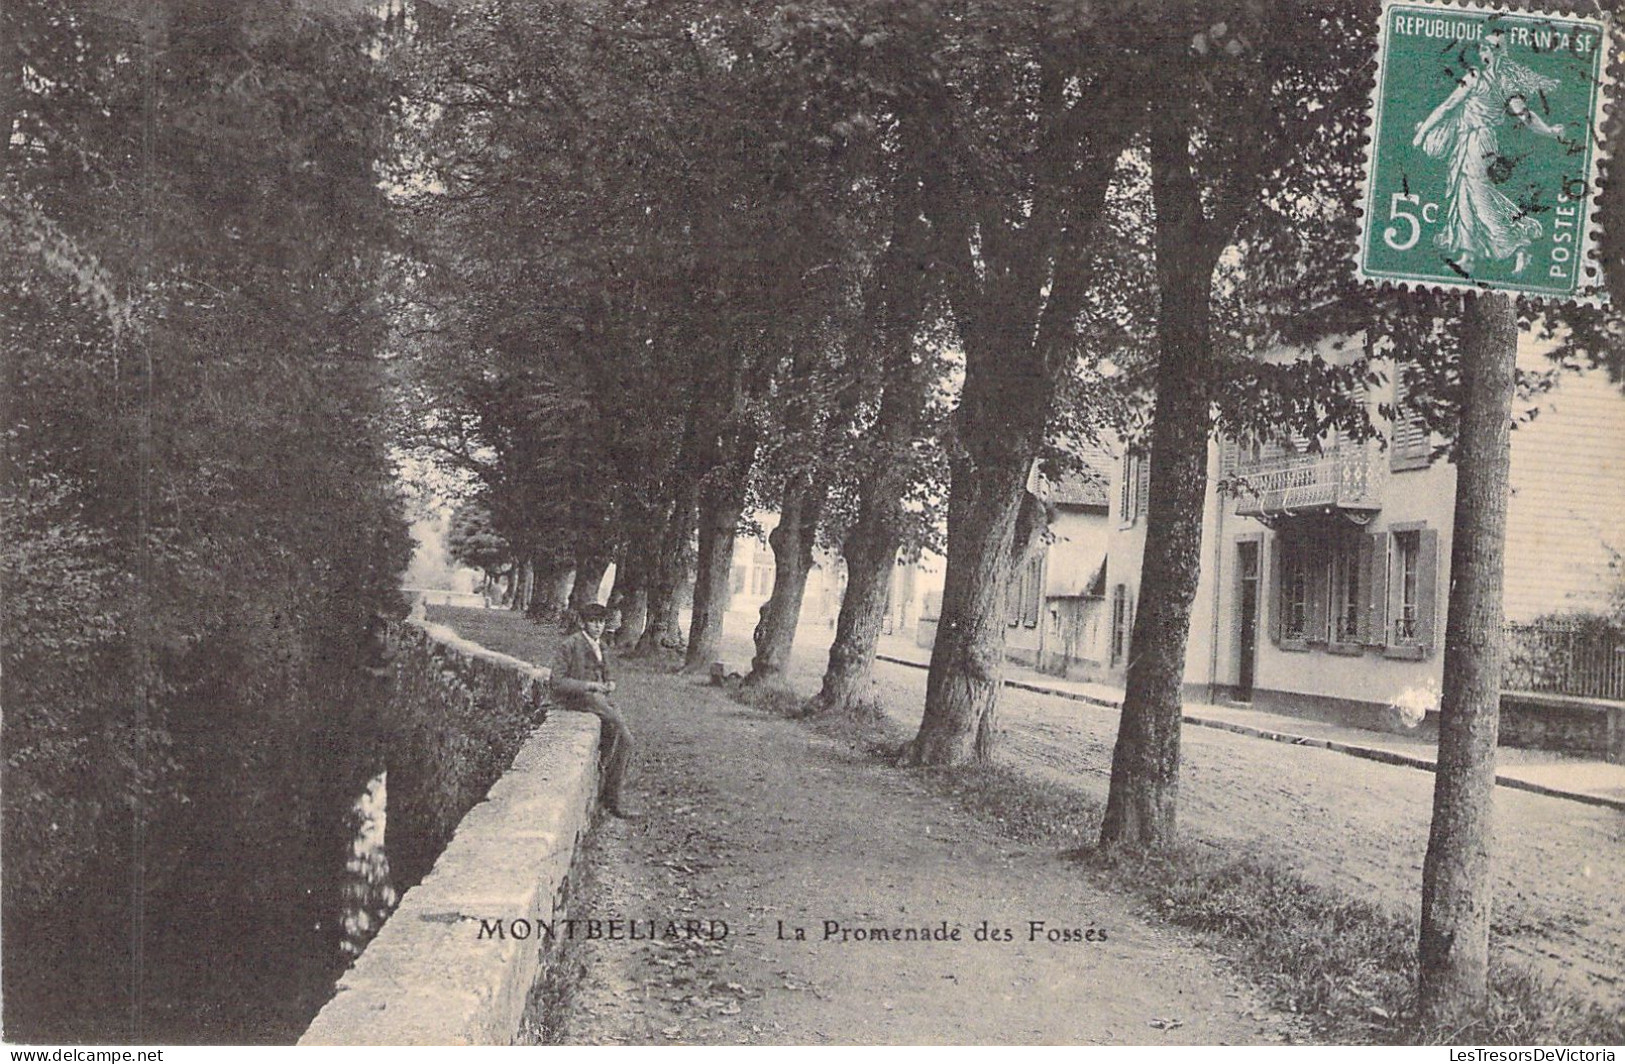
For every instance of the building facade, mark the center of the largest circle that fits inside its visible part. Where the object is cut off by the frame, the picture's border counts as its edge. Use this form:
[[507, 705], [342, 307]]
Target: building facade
[[1324, 582]]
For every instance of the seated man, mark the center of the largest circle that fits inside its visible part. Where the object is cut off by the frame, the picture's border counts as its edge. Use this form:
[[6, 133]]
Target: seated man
[[580, 682]]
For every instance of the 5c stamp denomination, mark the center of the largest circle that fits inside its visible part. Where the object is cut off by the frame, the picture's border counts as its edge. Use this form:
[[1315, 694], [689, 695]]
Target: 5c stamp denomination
[[1482, 171]]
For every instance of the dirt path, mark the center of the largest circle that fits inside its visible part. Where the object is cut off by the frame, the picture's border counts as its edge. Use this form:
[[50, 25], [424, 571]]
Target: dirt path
[[764, 824], [1356, 827]]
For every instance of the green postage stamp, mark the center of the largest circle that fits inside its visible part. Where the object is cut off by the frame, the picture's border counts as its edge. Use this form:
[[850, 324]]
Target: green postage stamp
[[1483, 165]]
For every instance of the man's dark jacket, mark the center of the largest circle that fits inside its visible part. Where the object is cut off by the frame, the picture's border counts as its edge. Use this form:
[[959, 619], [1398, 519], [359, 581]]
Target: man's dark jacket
[[575, 666]]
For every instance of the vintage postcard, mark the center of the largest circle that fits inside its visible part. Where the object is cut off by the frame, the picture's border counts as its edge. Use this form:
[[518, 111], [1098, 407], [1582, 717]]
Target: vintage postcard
[[565, 523]]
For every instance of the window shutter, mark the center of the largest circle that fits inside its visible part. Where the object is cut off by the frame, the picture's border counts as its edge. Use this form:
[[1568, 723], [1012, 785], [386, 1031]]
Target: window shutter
[[1118, 638], [1375, 558], [1035, 590], [1143, 489], [1227, 459], [1275, 593], [1128, 627], [1409, 447], [1317, 575], [1123, 516], [1427, 587], [1362, 574]]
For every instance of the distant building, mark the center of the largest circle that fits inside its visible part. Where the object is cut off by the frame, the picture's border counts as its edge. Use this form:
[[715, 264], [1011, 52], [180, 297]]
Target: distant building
[[1056, 608], [754, 570]]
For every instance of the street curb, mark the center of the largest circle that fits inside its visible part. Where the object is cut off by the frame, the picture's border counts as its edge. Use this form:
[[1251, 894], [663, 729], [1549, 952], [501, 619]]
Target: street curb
[[1387, 757]]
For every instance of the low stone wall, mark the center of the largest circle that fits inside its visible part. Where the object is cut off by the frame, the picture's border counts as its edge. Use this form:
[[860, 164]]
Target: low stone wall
[[1587, 727], [436, 974], [1582, 727], [458, 715]]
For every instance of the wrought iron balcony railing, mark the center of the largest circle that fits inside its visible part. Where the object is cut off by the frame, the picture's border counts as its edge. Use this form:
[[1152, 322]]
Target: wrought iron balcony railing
[[1346, 476]]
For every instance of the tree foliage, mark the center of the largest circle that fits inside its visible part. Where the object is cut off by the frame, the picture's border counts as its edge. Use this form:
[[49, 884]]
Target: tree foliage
[[201, 527]]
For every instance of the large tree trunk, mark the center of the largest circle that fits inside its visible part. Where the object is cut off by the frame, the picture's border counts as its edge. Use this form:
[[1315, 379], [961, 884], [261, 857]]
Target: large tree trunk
[[1141, 804], [721, 506], [903, 284], [524, 583], [547, 596], [1016, 301], [634, 618], [1454, 954], [590, 569], [668, 570], [871, 554], [962, 687], [632, 592], [792, 542]]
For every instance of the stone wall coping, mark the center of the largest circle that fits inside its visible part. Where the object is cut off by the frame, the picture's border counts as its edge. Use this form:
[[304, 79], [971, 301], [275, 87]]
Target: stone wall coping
[[431, 976], [449, 638]]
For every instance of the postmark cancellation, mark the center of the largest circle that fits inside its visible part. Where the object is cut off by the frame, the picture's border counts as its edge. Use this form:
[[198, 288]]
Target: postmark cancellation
[[1486, 150]]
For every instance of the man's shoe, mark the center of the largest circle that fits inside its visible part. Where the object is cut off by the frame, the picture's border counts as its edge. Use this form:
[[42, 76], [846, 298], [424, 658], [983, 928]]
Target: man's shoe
[[623, 813]]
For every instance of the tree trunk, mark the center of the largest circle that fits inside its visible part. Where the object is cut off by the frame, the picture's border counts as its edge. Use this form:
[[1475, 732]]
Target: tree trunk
[[1142, 801], [903, 284], [1016, 302], [792, 542], [634, 618], [721, 506], [549, 593], [962, 688], [522, 586], [632, 593], [1456, 899], [590, 569], [871, 554], [667, 572]]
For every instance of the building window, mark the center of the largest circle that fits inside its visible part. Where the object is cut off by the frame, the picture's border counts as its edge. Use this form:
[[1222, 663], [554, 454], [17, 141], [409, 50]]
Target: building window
[[1023, 594], [1409, 443], [1343, 574], [1134, 494], [1406, 575], [738, 584], [1120, 624], [1294, 592], [761, 580]]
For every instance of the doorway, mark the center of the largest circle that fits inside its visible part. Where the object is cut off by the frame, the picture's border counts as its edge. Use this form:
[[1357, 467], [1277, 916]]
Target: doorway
[[1247, 637]]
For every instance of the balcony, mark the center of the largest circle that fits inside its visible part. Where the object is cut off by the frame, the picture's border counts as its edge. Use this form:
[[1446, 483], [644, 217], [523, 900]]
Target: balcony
[[1346, 478]]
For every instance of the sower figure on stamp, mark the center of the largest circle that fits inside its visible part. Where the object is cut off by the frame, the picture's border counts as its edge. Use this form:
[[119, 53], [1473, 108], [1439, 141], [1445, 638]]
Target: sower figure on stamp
[[580, 682]]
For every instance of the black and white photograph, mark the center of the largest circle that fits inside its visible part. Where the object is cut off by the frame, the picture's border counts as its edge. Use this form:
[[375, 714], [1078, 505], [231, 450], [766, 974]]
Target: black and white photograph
[[812, 523]]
